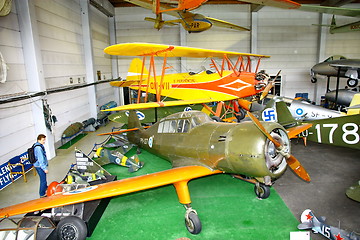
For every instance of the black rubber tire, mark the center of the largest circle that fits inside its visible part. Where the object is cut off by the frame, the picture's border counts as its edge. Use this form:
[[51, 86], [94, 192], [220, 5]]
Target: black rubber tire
[[193, 225], [352, 82], [263, 192], [71, 228], [313, 80]]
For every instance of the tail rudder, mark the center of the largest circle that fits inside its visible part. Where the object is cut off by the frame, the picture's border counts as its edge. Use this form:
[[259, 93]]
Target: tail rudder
[[136, 68], [354, 105], [133, 122]]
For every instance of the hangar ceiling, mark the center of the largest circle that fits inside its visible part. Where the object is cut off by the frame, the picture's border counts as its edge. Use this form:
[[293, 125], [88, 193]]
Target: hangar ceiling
[[330, 3]]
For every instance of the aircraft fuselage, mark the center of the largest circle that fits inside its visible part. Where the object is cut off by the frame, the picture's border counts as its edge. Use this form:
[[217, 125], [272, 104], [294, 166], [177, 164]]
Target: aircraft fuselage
[[191, 138]]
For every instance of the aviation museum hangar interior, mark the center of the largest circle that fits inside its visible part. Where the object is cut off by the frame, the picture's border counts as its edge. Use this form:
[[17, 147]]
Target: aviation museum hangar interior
[[180, 119]]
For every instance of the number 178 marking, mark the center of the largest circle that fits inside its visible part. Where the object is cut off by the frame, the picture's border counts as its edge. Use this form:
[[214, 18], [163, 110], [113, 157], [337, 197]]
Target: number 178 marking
[[348, 129]]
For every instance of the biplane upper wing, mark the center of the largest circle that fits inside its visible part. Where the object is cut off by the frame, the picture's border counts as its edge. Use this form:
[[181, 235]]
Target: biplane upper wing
[[110, 189], [161, 50], [163, 104]]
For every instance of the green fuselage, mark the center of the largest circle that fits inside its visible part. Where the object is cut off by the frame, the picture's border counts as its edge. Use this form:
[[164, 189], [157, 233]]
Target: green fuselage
[[191, 138]]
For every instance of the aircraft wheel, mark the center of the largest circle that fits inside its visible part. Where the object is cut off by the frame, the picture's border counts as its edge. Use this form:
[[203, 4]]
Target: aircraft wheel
[[352, 82], [313, 80], [71, 228], [193, 223], [262, 191]]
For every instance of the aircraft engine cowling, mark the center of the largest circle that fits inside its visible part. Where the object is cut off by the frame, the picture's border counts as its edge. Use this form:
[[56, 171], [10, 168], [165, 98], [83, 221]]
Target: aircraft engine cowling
[[250, 153], [276, 162]]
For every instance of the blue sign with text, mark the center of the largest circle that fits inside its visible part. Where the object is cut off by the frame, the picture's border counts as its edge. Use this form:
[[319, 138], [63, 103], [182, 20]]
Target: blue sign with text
[[5, 179]]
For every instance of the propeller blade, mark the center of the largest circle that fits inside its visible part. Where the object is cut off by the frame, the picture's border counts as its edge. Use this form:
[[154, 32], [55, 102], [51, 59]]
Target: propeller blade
[[263, 130], [293, 163], [269, 86], [296, 166]]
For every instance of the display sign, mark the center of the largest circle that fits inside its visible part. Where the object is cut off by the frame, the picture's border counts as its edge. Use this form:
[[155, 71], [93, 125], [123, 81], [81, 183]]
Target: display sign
[[5, 179]]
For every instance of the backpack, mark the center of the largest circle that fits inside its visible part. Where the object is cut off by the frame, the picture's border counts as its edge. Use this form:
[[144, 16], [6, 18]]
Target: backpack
[[31, 153]]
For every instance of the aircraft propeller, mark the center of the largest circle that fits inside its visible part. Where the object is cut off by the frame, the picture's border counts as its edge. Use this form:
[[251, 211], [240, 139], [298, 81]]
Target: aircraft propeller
[[293, 163]]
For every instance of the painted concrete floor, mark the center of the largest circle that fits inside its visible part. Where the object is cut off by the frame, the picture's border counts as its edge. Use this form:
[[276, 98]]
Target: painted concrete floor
[[332, 170]]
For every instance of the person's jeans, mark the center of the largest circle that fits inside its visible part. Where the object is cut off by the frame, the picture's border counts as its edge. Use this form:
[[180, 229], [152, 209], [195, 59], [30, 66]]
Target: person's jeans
[[43, 182]]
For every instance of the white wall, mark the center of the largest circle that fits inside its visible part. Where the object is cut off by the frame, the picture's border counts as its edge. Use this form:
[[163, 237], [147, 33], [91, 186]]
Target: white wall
[[60, 35], [16, 122]]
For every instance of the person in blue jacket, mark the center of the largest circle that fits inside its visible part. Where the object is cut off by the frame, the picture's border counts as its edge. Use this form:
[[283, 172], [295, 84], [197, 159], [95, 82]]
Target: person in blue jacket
[[41, 164]]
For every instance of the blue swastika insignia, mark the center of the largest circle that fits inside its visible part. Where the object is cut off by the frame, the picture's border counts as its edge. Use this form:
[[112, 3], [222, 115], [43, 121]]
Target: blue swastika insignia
[[269, 115]]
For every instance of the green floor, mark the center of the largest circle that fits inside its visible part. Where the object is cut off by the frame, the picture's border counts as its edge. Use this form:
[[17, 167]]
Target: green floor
[[227, 207]]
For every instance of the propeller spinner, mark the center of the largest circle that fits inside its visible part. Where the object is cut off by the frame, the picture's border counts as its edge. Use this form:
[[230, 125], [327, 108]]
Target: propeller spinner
[[293, 163]]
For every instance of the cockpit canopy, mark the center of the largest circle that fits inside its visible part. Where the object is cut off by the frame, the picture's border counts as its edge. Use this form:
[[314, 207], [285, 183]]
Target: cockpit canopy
[[182, 122]]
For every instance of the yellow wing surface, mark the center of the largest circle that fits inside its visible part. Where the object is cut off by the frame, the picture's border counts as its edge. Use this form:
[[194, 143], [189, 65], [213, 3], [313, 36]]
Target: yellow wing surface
[[110, 189], [161, 50]]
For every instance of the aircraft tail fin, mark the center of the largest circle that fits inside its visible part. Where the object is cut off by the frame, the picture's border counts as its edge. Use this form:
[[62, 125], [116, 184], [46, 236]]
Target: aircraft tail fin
[[134, 123], [284, 115], [136, 68], [354, 105]]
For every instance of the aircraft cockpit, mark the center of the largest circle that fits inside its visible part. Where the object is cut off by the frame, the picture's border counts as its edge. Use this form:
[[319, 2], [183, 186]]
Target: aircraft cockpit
[[182, 122]]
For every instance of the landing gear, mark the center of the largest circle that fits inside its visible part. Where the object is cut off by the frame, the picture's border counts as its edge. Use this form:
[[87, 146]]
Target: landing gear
[[313, 80], [192, 221], [352, 82], [71, 228], [262, 191]]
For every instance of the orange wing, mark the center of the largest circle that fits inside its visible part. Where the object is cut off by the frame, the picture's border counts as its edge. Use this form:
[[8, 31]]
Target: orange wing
[[110, 189]]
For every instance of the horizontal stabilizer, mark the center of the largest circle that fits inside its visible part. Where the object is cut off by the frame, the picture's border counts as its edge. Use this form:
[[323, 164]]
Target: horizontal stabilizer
[[305, 225], [294, 131], [169, 23]]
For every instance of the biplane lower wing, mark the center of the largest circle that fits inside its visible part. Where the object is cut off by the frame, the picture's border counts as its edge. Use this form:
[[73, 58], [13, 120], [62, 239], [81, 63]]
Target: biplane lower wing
[[136, 106], [124, 83], [176, 176]]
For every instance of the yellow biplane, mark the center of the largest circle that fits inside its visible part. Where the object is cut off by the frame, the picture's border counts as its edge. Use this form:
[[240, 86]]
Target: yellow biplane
[[229, 81]]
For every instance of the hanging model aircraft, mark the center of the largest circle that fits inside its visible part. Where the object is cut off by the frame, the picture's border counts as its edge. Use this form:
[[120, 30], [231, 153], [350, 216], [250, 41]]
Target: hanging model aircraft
[[229, 81], [197, 147], [350, 27], [287, 4], [191, 22], [338, 66]]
